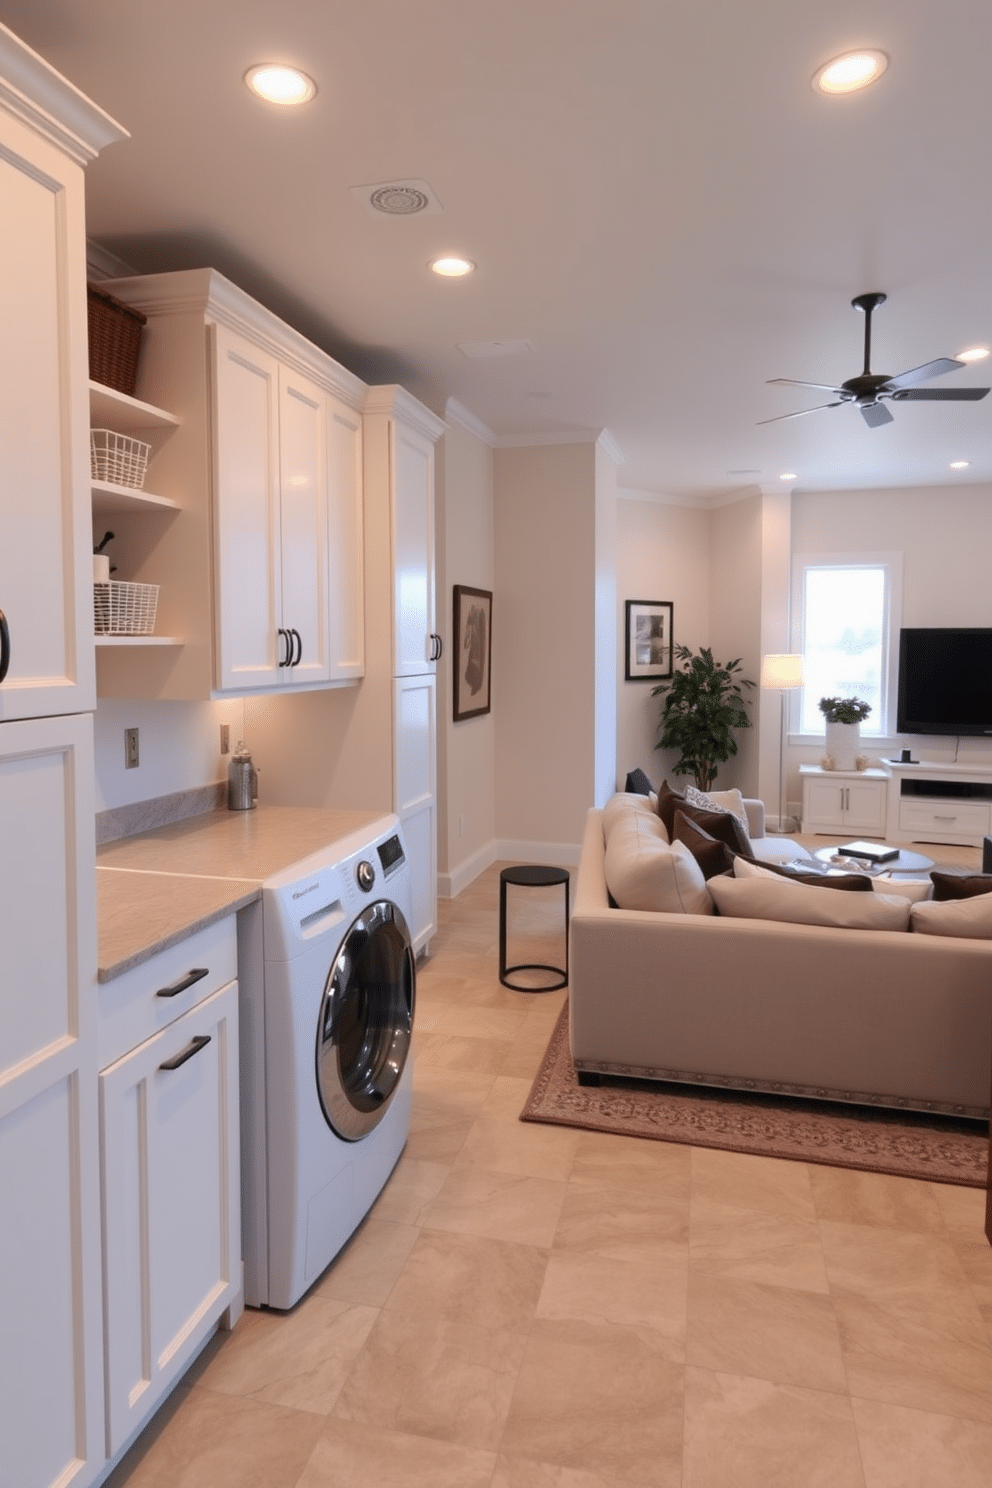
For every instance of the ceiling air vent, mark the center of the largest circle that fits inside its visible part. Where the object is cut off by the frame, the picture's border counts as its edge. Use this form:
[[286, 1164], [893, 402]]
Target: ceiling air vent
[[399, 198]]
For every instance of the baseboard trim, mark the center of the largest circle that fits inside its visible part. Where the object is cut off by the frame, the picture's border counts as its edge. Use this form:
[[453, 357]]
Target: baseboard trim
[[561, 854], [450, 885]]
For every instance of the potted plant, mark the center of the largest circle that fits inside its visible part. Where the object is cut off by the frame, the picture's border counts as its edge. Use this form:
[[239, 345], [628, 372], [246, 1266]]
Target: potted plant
[[703, 706], [844, 717]]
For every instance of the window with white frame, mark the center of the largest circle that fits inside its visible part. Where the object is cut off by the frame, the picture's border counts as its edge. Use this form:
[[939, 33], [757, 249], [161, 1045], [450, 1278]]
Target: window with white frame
[[848, 611]]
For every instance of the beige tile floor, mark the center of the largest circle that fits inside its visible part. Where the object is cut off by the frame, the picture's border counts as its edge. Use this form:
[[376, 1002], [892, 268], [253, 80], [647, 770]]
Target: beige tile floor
[[537, 1307]]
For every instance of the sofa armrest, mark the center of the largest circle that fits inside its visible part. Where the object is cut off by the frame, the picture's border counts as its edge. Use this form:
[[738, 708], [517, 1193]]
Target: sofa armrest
[[755, 817]]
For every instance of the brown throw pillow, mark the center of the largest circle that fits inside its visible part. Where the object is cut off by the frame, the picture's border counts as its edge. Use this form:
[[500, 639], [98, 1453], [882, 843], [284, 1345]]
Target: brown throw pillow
[[853, 883], [960, 886], [721, 825], [669, 801], [712, 855]]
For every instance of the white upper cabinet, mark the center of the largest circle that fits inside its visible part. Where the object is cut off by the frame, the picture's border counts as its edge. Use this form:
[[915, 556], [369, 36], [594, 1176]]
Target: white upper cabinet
[[260, 572], [46, 595]]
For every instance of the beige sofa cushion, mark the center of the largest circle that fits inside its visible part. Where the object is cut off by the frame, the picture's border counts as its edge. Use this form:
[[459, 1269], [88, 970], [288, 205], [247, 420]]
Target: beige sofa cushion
[[799, 904], [626, 804], [968, 918], [645, 872]]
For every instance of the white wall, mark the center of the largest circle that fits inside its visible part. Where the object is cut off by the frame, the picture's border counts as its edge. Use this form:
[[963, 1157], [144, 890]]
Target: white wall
[[465, 526], [178, 747], [663, 553]]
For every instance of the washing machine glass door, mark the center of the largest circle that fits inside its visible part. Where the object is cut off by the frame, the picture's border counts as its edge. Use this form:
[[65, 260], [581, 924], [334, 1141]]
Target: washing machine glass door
[[366, 1021]]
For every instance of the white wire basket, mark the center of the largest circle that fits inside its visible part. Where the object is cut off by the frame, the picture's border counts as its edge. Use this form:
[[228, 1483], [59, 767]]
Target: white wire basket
[[121, 608], [118, 458]]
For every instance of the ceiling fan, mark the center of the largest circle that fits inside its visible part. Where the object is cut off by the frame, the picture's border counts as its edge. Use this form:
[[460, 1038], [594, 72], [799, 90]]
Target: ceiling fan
[[868, 389]]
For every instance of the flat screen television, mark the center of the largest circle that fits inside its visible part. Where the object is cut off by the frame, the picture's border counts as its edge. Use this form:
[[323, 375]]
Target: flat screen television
[[945, 681]]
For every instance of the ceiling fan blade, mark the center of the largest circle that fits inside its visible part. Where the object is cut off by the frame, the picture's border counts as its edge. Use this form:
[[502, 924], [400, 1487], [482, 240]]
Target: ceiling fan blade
[[823, 387], [939, 395], [920, 374], [875, 414], [802, 412]]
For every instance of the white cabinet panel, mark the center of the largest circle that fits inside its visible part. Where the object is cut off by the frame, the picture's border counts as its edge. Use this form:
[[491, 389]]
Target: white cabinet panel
[[246, 483], [345, 543], [45, 575], [841, 801], [415, 795], [303, 524], [413, 551], [169, 1119], [50, 1296]]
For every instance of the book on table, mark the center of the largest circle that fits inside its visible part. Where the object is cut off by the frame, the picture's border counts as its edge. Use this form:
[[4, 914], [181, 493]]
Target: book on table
[[872, 852]]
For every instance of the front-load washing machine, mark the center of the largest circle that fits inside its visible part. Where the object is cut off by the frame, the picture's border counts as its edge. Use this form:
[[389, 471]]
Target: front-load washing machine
[[326, 1063]]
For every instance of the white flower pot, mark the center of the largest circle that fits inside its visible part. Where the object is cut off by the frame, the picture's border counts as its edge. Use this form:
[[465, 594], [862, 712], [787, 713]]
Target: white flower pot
[[844, 745]]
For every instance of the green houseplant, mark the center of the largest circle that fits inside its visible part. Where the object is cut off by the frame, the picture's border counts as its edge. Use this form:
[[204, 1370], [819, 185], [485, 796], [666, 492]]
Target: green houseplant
[[703, 706], [844, 710]]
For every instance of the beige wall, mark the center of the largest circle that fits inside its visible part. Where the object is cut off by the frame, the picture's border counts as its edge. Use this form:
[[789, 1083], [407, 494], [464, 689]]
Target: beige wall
[[464, 523], [544, 645]]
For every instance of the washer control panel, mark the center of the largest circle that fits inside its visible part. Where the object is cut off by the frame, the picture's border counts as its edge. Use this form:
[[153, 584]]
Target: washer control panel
[[365, 875]]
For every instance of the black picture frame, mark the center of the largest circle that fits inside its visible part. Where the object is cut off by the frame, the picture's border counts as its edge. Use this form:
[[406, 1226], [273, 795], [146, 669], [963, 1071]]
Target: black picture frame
[[648, 653], [471, 662]]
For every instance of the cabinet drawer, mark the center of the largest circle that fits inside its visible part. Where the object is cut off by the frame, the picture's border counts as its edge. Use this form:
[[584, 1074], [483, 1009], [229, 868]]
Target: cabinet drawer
[[970, 817], [137, 1004]]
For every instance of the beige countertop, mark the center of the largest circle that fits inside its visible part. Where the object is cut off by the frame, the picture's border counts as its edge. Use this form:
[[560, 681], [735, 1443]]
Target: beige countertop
[[158, 887]]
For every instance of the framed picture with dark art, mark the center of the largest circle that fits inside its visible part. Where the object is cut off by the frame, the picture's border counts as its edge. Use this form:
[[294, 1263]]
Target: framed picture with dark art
[[473, 649], [648, 639]]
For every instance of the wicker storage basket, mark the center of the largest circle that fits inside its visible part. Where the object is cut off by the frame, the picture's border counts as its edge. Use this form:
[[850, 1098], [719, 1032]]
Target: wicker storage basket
[[118, 458], [124, 609], [115, 340]]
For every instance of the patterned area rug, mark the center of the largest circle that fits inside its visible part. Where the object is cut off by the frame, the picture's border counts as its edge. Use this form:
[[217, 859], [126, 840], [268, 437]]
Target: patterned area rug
[[938, 1149]]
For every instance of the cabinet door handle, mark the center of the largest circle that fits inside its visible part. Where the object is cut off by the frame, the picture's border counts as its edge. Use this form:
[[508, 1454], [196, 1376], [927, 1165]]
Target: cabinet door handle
[[437, 646], [193, 1047], [4, 645], [284, 658], [196, 975], [295, 661], [937, 817]]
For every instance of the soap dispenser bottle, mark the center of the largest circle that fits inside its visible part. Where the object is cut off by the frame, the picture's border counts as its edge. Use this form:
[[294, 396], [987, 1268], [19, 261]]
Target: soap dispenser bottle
[[242, 781]]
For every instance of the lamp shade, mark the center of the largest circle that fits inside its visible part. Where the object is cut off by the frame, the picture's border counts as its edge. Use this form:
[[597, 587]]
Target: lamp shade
[[782, 672]]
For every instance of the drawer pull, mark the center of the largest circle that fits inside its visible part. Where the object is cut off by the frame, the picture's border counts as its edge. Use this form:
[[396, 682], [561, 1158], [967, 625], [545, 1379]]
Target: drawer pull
[[937, 817], [196, 975], [193, 1047]]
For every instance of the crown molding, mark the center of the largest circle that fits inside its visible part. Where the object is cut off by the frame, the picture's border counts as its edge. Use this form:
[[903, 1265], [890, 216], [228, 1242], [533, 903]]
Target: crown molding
[[551, 436], [396, 402], [48, 103], [457, 413]]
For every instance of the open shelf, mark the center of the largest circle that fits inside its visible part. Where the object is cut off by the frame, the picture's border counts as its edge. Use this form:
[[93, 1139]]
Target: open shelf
[[137, 640], [114, 410], [109, 498]]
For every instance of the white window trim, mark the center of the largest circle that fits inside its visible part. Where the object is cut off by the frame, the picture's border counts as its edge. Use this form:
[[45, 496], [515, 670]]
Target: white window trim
[[892, 622]]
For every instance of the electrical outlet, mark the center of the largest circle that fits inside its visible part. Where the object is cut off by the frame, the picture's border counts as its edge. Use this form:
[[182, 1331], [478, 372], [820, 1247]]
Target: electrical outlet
[[225, 738], [131, 749]]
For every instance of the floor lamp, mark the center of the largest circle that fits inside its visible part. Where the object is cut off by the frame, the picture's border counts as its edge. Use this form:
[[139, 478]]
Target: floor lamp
[[782, 674]]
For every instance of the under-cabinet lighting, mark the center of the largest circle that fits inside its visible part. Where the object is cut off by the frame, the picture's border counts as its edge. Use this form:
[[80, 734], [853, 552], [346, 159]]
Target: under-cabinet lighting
[[960, 464], [973, 354]]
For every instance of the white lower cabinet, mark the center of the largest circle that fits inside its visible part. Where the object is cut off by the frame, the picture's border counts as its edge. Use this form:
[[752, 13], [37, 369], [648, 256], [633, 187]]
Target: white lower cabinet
[[415, 796], [171, 1198], [841, 801]]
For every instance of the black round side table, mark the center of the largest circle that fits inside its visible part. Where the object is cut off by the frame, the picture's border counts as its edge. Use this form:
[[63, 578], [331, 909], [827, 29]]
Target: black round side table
[[531, 876]]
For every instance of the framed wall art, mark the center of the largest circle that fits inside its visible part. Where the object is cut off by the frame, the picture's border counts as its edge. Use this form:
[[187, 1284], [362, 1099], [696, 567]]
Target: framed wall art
[[470, 666], [648, 640]]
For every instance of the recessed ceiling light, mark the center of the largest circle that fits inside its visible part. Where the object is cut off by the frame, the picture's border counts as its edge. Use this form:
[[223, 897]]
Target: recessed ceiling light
[[278, 84], [973, 354], [960, 464], [789, 475], [850, 72], [451, 268]]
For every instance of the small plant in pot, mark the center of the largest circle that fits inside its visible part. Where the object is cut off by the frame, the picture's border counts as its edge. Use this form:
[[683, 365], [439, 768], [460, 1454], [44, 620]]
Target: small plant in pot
[[703, 706], [844, 717]]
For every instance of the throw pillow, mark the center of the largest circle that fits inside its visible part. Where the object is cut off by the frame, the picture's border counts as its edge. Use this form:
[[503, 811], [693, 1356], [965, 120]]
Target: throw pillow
[[712, 855], [970, 919], [643, 872], [623, 805], [721, 825], [638, 783], [730, 800], [852, 883], [960, 886], [765, 899], [669, 801]]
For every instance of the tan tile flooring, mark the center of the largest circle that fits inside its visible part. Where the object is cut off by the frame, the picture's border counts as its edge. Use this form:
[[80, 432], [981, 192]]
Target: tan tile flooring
[[537, 1307]]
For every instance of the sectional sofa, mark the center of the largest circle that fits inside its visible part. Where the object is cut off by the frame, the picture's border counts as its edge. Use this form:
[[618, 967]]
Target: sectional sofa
[[885, 1016]]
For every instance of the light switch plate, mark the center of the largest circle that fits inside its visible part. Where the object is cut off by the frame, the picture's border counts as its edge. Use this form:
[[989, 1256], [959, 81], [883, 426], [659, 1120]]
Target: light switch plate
[[131, 749]]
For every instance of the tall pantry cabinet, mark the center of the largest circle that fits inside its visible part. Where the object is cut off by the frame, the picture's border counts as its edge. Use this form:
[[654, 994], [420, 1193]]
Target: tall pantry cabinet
[[51, 1351], [399, 439]]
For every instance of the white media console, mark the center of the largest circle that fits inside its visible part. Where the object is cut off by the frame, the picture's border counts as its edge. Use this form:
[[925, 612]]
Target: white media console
[[939, 803]]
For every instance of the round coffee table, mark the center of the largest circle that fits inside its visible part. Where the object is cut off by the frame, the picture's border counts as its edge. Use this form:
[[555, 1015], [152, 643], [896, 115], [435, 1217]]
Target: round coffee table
[[906, 865]]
